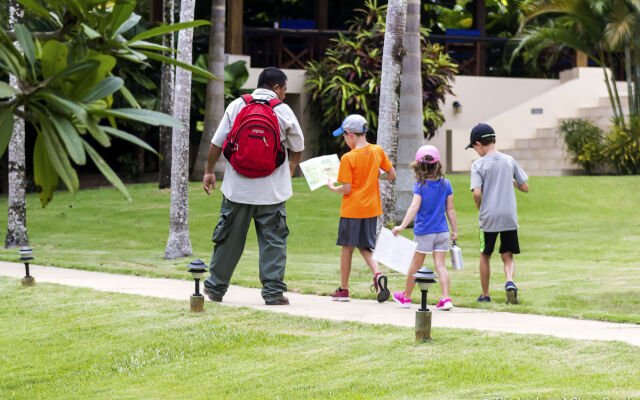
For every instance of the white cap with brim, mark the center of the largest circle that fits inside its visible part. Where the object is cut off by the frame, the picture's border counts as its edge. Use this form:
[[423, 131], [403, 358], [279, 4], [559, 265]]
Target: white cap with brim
[[353, 123]]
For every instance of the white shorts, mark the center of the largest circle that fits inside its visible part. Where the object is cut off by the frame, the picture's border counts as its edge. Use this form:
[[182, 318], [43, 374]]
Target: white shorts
[[432, 242]]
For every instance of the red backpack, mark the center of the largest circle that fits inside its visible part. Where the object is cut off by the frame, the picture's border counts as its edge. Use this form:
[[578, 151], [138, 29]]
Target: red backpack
[[253, 146]]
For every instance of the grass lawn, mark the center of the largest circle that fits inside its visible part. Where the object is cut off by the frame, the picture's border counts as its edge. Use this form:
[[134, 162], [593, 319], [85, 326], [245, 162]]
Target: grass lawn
[[67, 343], [580, 241]]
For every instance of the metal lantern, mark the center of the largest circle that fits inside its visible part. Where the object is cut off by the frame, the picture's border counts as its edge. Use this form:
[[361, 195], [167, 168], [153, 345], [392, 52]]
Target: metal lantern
[[198, 270], [26, 255], [424, 278]]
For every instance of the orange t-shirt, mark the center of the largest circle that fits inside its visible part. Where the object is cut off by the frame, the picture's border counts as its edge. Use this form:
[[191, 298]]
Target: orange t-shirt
[[360, 167]]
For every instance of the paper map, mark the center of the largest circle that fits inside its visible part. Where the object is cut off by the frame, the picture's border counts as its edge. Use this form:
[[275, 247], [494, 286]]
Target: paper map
[[318, 170], [396, 252]]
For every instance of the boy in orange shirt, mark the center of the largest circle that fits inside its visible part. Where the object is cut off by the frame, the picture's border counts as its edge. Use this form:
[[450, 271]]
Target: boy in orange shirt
[[361, 205]]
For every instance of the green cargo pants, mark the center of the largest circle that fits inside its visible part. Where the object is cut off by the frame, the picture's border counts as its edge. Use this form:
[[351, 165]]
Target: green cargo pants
[[230, 236]]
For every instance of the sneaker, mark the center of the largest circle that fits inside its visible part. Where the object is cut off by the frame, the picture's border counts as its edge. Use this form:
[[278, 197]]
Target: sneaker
[[340, 295], [512, 292], [281, 301], [380, 283], [445, 304], [400, 299], [212, 296], [485, 299]]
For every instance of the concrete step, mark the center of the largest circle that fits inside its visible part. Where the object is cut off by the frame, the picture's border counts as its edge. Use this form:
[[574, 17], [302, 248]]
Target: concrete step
[[547, 133], [545, 164], [605, 102], [540, 143], [555, 172], [536, 154], [595, 112], [602, 122]]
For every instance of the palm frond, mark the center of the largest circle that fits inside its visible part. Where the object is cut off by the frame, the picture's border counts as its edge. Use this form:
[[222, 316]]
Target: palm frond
[[621, 25]]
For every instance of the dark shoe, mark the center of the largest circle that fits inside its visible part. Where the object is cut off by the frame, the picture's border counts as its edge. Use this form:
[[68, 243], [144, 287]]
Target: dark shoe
[[485, 299], [282, 301], [512, 292], [212, 296], [380, 283]]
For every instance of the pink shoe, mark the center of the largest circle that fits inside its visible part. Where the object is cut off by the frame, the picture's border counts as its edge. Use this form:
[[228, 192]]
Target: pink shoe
[[445, 304], [400, 299]]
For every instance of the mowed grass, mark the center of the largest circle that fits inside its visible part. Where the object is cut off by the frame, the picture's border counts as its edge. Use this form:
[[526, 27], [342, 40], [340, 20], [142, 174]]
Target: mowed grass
[[68, 343], [580, 241]]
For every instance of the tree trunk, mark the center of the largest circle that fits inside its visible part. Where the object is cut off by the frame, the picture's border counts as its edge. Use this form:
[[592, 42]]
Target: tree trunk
[[410, 126], [389, 86], [167, 87], [17, 210], [179, 242], [214, 106], [140, 155], [615, 92], [629, 76]]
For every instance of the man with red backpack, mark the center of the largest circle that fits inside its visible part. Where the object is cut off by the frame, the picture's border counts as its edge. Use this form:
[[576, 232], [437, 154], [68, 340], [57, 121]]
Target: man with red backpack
[[261, 138]]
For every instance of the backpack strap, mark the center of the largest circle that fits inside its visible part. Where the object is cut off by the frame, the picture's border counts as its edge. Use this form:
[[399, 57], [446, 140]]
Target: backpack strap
[[274, 102], [247, 98]]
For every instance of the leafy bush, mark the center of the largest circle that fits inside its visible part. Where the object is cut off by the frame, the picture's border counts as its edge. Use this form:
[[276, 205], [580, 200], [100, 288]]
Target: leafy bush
[[623, 147], [585, 143], [589, 147], [348, 79]]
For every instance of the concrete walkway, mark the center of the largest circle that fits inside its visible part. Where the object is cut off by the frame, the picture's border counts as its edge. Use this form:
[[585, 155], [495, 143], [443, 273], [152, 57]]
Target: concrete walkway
[[367, 311]]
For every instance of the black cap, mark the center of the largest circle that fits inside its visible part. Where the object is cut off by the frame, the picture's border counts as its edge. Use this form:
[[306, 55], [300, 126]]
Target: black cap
[[478, 132]]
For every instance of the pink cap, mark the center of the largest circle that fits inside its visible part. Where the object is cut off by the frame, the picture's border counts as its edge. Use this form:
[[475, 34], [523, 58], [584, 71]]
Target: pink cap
[[427, 150]]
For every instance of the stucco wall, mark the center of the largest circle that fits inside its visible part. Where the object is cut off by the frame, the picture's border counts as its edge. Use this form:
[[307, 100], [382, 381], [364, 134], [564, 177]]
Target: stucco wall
[[504, 103], [516, 108]]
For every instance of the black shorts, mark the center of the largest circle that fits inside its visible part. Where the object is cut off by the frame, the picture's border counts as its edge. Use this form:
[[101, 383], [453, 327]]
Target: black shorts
[[508, 242], [357, 232]]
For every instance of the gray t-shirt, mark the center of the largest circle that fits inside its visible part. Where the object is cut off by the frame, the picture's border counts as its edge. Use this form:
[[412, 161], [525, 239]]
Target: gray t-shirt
[[494, 174]]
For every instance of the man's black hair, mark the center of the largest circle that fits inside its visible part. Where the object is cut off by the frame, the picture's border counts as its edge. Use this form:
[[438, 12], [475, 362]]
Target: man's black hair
[[271, 76]]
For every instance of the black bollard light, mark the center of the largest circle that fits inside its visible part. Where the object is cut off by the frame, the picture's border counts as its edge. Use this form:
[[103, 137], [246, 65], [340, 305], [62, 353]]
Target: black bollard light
[[424, 278], [198, 270], [26, 257]]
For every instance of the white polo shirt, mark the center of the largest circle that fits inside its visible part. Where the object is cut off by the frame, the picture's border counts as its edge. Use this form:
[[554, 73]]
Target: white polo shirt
[[271, 189]]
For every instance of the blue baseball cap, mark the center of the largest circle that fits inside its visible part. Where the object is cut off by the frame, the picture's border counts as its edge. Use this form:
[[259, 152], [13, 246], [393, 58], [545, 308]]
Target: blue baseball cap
[[353, 123], [479, 132]]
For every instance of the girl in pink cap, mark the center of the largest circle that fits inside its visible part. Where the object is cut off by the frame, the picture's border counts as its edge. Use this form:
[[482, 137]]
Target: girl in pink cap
[[432, 199]]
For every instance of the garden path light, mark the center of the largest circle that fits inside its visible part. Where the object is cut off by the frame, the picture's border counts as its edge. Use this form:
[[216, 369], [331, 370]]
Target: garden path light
[[198, 270], [424, 278], [26, 257]]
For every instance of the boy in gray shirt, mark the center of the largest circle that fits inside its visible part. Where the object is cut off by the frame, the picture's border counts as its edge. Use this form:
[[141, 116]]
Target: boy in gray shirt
[[492, 180]]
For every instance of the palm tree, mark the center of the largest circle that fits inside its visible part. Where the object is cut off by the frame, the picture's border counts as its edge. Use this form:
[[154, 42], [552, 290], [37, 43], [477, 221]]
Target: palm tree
[[17, 211], [622, 33], [392, 53], [594, 27], [410, 126], [179, 242], [214, 104], [167, 88]]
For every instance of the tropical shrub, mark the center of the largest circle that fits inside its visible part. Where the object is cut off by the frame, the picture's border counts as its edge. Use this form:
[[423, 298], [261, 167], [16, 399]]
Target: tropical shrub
[[585, 143], [66, 71], [623, 147], [348, 79], [603, 30], [616, 150]]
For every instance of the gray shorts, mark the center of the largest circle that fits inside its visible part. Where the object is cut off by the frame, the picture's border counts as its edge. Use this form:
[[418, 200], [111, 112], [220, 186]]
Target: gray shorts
[[432, 242], [357, 232]]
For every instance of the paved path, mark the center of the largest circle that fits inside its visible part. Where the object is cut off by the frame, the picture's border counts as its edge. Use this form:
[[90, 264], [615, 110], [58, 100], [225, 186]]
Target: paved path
[[368, 311]]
